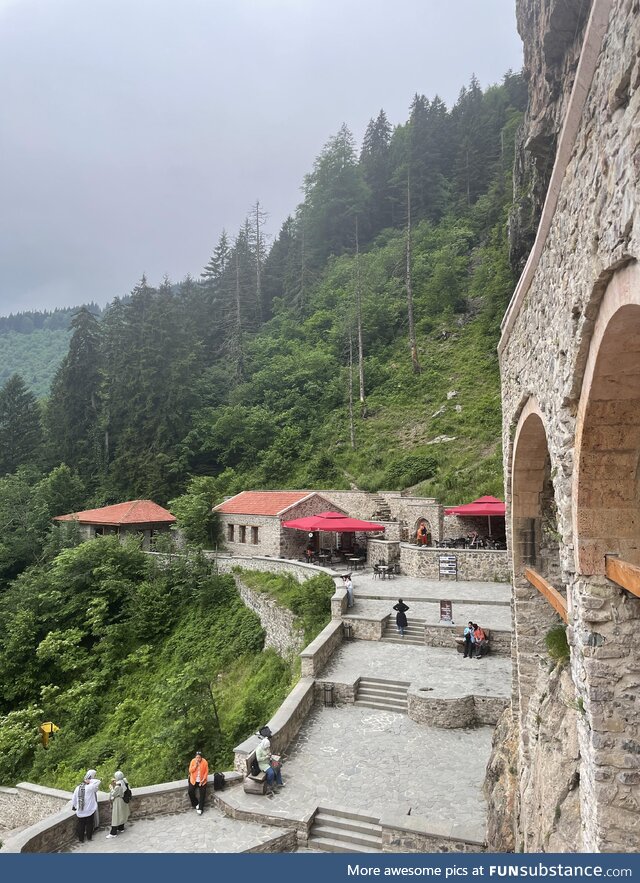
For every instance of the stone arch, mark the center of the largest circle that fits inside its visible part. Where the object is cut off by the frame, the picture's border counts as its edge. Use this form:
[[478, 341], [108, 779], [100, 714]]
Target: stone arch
[[534, 526], [416, 527], [606, 486]]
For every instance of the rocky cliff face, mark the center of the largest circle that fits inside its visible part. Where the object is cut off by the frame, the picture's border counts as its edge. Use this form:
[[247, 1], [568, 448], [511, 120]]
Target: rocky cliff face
[[534, 800], [552, 32]]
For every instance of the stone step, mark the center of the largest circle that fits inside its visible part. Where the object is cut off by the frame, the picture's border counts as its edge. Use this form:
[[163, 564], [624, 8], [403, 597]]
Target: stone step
[[357, 838], [413, 631], [347, 814], [406, 640], [329, 845], [399, 707], [372, 693], [385, 682], [358, 824]]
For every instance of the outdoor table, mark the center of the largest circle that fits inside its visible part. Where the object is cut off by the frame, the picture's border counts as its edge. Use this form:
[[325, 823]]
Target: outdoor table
[[386, 571], [357, 562]]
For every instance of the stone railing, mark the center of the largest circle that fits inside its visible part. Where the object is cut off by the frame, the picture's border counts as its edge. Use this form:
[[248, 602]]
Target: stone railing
[[339, 603], [284, 724], [488, 565], [425, 706], [316, 654], [27, 804], [57, 831], [300, 569]]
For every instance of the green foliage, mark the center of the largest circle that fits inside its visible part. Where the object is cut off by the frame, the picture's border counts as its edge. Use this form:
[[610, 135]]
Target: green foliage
[[193, 510], [310, 601], [20, 426], [557, 644]]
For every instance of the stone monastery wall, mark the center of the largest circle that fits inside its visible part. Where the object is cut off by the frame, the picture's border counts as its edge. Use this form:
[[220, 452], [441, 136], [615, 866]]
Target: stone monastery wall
[[570, 365]]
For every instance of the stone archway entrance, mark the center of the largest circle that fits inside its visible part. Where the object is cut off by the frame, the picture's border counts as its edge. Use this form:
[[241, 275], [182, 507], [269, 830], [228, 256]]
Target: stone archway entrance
[[422, 532], [536, 544]]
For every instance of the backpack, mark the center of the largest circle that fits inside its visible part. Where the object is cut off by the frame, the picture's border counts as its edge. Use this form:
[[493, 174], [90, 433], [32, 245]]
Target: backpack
[[255, 767], [218, 781], [127, 794]]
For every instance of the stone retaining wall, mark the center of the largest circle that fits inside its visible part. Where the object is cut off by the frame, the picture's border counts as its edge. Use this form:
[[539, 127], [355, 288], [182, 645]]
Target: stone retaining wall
[[279, 623], [316, 654], [382, 550], [300, 569], [343, 694], [339, 603], [486, 565]]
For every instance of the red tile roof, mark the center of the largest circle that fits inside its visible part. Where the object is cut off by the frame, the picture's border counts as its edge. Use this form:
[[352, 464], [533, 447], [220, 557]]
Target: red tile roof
[[133, 512], [261, 502]]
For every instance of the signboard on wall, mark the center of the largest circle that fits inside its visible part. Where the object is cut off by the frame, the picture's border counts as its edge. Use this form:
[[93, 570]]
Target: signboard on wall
[[447, 566], [446, 612]]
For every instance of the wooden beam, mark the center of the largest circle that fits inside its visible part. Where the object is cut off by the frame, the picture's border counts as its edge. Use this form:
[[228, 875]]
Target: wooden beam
[[552, 595], [624, 574]]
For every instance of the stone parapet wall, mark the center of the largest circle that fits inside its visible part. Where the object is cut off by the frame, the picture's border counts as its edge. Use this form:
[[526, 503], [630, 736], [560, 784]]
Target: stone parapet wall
[[366, 628], [287, 842], [316, 654], [300, 569], [473, 564], [403, 833], [454, 526], [382, 550], [27, 804], [456, 712], [445, 636], [57, 830], [339, 602], [343, 694], [284, 724], [279, 623]]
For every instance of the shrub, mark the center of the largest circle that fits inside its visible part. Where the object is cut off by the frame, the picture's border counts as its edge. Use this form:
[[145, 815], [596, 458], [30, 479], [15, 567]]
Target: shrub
[[557, 645]]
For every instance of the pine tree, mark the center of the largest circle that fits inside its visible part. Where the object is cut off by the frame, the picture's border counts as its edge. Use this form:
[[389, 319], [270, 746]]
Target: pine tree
[[20, 426], [376, 170], [73, 409]]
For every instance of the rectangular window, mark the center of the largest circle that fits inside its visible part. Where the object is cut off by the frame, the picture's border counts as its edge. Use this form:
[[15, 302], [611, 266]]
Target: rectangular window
[[243, 534], [254, 536], [230, 532]]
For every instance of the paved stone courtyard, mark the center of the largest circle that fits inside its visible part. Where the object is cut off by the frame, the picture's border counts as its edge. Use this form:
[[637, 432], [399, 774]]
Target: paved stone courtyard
[[446, 672], [371, 761], [182, 832]]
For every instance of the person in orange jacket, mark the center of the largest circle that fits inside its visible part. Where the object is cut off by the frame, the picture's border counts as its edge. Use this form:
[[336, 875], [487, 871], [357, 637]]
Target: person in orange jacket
[[198, 775]]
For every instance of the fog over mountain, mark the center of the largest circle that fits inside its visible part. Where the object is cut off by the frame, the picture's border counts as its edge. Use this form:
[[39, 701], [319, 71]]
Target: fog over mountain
[[133, 131]]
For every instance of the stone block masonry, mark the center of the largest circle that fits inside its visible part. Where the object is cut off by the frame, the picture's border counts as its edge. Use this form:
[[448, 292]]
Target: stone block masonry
[[281, 630], [481, 564]]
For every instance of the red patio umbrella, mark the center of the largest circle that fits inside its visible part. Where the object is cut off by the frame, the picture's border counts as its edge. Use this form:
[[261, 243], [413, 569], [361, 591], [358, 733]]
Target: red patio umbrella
[[332, 522], [482, 506]]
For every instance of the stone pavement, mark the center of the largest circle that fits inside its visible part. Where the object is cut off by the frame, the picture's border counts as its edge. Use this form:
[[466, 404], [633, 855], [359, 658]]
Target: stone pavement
[[182, 832], [365, 584], [446, 672], [371, 761]]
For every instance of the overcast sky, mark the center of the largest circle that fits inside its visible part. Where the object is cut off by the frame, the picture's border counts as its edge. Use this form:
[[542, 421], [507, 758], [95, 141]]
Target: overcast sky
[[133, 131]]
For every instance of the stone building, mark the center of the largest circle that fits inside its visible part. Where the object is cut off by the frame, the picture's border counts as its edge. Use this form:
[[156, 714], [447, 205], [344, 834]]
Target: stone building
[[251, 521], [566, 770], [141, 517]]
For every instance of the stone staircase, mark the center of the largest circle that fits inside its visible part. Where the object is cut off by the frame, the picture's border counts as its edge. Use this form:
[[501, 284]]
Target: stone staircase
[[384, 694], [413, 633], [336, 830], [381, 508]]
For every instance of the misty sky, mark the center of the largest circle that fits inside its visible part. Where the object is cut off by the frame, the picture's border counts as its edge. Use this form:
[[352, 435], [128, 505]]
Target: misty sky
[[133, 131]]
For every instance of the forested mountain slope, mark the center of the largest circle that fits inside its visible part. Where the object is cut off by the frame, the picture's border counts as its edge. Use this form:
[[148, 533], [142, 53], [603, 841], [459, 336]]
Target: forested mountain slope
[[359, 348]]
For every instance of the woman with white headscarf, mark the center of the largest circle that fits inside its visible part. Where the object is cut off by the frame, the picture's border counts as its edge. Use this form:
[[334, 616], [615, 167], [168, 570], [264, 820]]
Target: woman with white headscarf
[[85, 804], [119, 808], [263, 756]]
